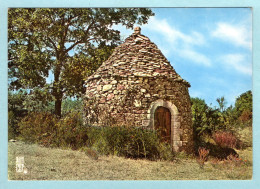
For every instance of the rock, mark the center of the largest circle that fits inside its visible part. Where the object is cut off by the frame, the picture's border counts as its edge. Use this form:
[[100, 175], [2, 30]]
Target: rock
[[99, 87], [115, 92], [137, 103], [120, 87], [145, 123], [110, 96], [155, 74], [147, 95], [107, 87], [143, 90], [114, 82]]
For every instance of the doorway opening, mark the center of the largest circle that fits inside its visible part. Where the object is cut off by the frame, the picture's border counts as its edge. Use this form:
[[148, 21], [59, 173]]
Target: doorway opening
[[162, 123]]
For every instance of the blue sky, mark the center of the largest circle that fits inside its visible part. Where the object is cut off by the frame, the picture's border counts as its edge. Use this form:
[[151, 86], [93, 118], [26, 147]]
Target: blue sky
[[209, 47]]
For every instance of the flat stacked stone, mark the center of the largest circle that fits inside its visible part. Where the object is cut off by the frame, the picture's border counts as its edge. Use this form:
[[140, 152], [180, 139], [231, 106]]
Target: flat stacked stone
[[137, 56], [134, 80]]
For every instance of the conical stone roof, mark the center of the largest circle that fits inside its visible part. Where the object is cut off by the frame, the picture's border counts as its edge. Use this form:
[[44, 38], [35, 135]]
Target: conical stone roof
[[137, 56]]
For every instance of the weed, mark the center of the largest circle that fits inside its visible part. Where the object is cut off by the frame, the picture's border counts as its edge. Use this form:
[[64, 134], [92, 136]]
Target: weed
[[203, 155]]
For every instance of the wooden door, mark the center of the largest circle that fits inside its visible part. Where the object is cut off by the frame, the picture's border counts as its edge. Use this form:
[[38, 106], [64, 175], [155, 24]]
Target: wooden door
[[162, 122]]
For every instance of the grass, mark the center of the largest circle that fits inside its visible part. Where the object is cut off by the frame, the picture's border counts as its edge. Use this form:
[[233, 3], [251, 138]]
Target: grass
[[61, 164]]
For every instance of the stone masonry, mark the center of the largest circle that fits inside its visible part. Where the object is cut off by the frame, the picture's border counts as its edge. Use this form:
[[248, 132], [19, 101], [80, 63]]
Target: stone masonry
[[129, 87]]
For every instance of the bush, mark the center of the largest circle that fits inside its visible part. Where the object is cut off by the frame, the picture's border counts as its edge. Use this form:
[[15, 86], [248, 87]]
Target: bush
[[225, 139], [129, 142], [71, 132], [47, 130], [245, 136], [12, 126], [38, 127]]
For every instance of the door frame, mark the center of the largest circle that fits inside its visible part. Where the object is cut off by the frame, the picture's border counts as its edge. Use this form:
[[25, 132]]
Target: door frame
[[176, 131]]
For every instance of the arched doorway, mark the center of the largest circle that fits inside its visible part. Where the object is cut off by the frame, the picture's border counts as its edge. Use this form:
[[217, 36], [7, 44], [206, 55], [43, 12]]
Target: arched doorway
[[162, 123], [175, 130]]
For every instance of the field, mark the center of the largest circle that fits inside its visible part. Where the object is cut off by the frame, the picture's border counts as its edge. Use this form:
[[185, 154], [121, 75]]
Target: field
[[63, 164]]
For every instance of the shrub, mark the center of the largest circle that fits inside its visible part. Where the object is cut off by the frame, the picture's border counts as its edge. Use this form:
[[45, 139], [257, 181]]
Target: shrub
[[129, 142], [71, 132], [38, 127], [225, 139], [245, 135], [12, 125], [245, 116], [203, 155], [47, 130]]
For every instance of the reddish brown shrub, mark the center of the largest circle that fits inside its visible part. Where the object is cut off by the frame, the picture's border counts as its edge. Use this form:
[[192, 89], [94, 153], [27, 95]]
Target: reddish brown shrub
[[203, 155], [225, 139], [38, 127]]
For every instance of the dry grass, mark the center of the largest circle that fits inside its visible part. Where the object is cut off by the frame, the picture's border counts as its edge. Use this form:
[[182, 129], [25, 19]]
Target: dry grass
[[57, 164]]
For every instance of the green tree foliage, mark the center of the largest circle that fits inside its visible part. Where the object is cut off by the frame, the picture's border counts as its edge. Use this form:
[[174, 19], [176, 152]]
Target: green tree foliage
[[205, 119], [16, 111], [222, 103], [244, 106], [208, 122], [70, 43], [22, 102], [70, 105]]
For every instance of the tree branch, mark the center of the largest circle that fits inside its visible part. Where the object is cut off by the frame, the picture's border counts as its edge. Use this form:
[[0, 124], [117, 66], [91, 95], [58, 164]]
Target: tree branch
[[53, 44], [79, 41]]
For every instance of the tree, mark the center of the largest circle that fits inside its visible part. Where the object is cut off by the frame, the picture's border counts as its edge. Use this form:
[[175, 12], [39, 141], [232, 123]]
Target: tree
[[205, 119], [244, 106], [70, 43], [222, 103], [16, 112]]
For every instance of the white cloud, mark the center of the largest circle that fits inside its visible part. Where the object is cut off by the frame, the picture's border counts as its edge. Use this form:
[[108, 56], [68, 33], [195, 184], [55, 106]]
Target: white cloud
[[237, 62], [172, 34], [195, 56], [195, 93], [179, 42], [239, 35]]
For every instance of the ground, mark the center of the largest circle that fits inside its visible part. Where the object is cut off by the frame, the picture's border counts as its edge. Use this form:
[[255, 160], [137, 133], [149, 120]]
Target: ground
[[60, 164]]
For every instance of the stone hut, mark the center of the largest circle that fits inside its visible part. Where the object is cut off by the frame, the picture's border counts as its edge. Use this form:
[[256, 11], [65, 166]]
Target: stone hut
[[137, 86]]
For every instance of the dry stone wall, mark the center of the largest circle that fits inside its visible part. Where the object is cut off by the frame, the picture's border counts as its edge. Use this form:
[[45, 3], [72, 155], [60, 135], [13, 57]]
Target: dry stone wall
[[125, 88]]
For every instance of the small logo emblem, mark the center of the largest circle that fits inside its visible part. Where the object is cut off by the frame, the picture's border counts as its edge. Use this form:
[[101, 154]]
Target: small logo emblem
[[20, 164]]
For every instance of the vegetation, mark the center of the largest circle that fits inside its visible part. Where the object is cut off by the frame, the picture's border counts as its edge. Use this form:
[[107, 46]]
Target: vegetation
[[49, 114], [212, 129], [218, 127], [68, 132], [59, 164], [71, 43], [221, 135]]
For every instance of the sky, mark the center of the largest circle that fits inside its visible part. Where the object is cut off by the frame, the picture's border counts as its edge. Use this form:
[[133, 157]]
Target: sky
[[211, 48]]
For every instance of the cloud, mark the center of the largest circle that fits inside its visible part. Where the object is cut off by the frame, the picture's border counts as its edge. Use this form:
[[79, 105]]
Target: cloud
[[239, 35], [195, 56], [237, 62], [196, 93], [184, 44], [174, 35]]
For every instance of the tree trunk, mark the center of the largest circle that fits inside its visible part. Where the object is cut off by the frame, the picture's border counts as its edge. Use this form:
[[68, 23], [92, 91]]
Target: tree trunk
[[57, 89], [58, 102]]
